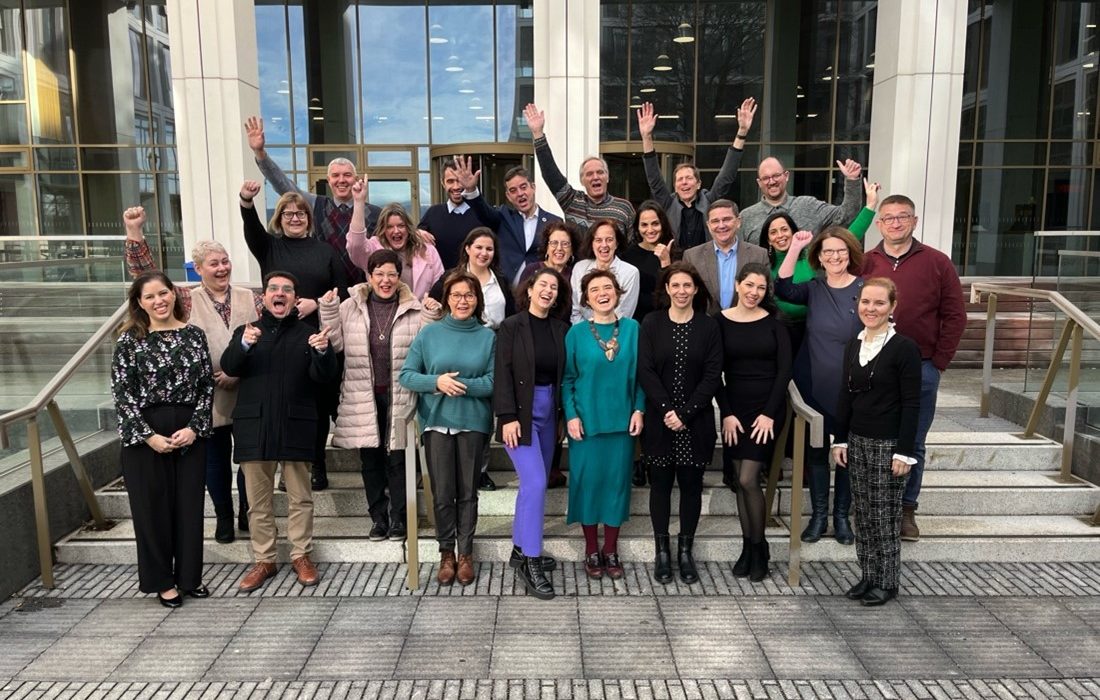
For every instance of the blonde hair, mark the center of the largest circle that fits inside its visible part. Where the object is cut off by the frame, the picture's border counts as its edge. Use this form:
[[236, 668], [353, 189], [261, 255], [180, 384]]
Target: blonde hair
[[205, 248]]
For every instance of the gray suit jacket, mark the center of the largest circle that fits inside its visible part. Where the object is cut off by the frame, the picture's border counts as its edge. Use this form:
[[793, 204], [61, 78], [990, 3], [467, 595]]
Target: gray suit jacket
[[703, 259]]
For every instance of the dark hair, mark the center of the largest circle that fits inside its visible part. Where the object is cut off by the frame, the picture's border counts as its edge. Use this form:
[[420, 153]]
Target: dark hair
[[569, 228], [596, 274], [723, 204], [275, 225], [137, 322], [898, 199], [755, 268], [473, 235], [381, 257], [280, 273], [855, 251], [515, 171], [702, 296], [460, 275], [563, 299], [447, 164], [662, 218], [620, 237], [772, 218]]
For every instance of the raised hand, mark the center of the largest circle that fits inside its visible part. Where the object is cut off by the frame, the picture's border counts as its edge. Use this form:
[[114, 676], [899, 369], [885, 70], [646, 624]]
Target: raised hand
[[871, 189], [359, 191], [254, 127], [249, 190], [133, 219], [536, 120], [319, 341], [330, 296], [850, 168], [464, 169], [251, 334], [305, 307], [663, 253], [448, 384], [745, 114], [800, 240], [647, 119]]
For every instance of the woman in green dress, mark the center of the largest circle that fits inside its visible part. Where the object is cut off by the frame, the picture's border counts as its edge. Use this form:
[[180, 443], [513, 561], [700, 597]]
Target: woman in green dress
[[603, 405]]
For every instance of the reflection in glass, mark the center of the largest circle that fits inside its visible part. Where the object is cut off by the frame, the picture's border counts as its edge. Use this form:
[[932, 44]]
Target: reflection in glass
[[273, 61], [59, 205], [392, 41], [11, 52], [614, 42], [50, 84], [468, 55], [13, 124], [662, 71], [515, 69], [855, 71], [16, 205], [731, 67]]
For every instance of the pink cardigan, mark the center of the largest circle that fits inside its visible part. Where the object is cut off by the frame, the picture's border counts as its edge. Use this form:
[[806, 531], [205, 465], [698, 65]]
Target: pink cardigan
[[426, 268]]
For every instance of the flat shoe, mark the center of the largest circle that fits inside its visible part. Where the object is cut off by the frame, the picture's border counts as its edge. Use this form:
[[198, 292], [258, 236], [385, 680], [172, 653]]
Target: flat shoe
[[878, 596], [170, 602], [200, 592], [859, 590]]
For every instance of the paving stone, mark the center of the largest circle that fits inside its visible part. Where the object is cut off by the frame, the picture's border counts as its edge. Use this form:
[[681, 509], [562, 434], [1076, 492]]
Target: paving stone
[[703, 615], [254, 657], [524, 615], [1033, 614], [953, 616], [440, 656], [277, 617], [50, 616], [536, 655], [1070, 652], [820, 655], [454, 615], [901, 655], [348, 657], [623, 656], [372, 616], [851, 618], [629, 616], [175, 658], [113, 618], [995, 656], [1088, 609], [216, 616], [768, 614], [727, 656], [80, 659], [19, 650]]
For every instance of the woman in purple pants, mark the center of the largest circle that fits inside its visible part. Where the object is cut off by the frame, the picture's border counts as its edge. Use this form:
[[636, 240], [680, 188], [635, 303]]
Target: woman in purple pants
[[526, 400]]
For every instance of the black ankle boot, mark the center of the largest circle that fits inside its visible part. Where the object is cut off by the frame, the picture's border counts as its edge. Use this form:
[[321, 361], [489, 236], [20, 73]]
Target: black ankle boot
[[318, 479], [842, 527], [819, 499], [639, 477], [223, 532], [688, 573], [758, 562], [534, 579], [662, 562], [741, 568]]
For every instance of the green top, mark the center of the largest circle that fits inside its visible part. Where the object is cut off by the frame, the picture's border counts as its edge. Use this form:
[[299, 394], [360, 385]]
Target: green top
[[466, 347], [602, 394], [804, 273]]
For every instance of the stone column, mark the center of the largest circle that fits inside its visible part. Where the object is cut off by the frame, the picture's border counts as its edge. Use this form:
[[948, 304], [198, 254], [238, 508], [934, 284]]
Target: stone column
[[920, 55], [215, 86], [567, 83]]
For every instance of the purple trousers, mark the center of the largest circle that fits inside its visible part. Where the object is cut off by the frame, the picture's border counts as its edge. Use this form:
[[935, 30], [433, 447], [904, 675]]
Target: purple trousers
[[532, 464]]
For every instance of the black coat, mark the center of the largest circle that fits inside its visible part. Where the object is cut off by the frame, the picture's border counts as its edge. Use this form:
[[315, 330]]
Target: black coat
[[514, 375], [276, 413], [702, 379]]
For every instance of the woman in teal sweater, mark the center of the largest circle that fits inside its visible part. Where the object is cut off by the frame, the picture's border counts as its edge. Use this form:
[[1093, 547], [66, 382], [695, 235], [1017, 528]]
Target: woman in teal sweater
[[450, 366], [603, 404]]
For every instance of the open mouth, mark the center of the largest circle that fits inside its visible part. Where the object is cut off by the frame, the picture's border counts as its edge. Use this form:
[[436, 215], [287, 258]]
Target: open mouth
[[279, 305]]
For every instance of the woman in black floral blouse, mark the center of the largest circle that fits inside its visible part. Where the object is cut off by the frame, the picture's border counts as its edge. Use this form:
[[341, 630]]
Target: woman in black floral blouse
[[163, 387]]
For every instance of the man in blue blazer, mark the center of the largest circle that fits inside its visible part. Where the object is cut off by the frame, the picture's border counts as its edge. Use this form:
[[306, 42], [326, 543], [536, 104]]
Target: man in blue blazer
[[517, 226]]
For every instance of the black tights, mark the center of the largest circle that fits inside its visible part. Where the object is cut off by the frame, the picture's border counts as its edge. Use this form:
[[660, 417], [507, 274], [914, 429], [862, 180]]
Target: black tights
[[750, 499], [660, 497]]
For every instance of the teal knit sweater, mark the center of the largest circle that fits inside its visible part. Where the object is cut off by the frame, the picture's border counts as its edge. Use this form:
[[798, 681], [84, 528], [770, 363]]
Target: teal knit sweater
[[466, 347]]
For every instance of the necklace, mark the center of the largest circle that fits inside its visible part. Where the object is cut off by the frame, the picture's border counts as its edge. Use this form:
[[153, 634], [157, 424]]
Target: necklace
[[611, 347], [383, 327]]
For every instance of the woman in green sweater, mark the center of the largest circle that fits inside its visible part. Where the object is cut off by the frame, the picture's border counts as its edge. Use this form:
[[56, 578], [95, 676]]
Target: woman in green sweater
[[603, 404], [450, 366]]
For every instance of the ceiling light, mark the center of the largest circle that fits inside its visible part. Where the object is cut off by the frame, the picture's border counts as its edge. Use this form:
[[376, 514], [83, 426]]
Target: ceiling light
[[725, 116], [315, 104], [648, 89], [870, 65], [668, 116], [485, 118], [683, 34], [664, 63], [319, 118], [452, 65], [465, 88], [475, 104], [436, 35], [608, 116], [1088, 65], [284, 88], [811, 116]]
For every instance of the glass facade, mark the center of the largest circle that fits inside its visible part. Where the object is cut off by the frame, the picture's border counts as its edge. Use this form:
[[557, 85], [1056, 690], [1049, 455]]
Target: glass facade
[[1027, 160], [80, 140]]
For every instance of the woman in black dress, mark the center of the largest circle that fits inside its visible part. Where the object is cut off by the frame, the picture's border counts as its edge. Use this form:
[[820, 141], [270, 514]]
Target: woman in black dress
[[162, 383], [680, 370], [757, 368], [654, 249]]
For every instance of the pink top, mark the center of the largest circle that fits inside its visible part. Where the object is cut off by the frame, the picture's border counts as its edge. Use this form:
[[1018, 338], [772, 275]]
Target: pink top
[[426, 267]]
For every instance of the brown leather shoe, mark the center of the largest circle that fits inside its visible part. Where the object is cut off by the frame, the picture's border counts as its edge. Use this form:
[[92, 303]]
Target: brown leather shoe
[[257, 576], [307, 572], [909, 530], [466, 574], [446, 575]]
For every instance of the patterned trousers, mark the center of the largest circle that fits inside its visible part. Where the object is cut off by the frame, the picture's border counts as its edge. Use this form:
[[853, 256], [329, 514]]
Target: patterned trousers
[[876, 496]]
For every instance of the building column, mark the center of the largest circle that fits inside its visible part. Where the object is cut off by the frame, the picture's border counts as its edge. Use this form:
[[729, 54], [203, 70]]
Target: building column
[[567, 83], [215, 86], [920, 56]]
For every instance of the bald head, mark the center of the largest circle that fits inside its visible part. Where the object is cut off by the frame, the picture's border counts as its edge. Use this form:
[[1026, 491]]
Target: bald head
[[771, 178]]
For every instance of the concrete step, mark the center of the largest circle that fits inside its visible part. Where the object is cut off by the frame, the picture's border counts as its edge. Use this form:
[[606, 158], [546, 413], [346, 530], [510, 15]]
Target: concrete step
[[944, 538], [943, 493]]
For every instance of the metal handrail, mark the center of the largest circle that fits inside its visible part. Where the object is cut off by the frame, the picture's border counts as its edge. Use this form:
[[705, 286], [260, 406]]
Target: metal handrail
[[1077, 324], [46, 399], [804, 415]]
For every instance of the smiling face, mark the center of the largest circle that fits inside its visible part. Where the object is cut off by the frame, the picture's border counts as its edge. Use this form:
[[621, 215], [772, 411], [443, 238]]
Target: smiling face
[[779, 234], [601, 295], [649, 227], [559, 248], [461, 301], [158, 301], [521, 194], [279, 296], [833, 256], [215, 270], [723, 225], [452, 185], [686, 183], [751, 291], [340, 179], [681, 290], [604, 244], [542, 294], [896, 223], [772, 179], [875, 307], [396, 232], [384, 280], [480, 252], [295, 221], [594, 179]]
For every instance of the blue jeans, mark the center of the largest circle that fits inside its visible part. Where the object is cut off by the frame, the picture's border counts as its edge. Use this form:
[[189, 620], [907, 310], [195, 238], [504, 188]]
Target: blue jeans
[[929, 386]]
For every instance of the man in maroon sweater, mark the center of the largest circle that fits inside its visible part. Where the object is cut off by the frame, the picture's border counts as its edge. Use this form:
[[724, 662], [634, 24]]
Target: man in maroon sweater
[[930, 311]]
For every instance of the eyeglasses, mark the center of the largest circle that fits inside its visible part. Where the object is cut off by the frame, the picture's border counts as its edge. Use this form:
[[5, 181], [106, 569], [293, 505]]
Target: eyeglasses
[[836, 253], [458, 296], [559, 244], [772, 178], [291, 215], [902, 219], [284, 288]]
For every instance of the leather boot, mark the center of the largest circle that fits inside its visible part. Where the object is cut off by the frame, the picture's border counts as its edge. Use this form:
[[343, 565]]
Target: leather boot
[[662, 563], [639, 477], [224, 532], [688, 572], [819, 499], [534, 578], [909, 530], [446, 575], [465, 575], [758, 562], [318, 479], [741, 568], [842, 503]]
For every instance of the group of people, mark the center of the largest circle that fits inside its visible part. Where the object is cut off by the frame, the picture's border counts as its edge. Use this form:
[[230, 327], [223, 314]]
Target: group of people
[[616, 328]]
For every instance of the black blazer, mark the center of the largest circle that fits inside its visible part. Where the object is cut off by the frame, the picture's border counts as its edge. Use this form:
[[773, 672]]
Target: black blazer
[[702, 379], [514, 376]]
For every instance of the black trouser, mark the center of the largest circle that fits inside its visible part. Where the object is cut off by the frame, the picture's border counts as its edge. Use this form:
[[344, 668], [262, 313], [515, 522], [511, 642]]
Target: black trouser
[[219, 472], [328, 401], [166, 504], [384, 469], [661, 478], [454, 463]]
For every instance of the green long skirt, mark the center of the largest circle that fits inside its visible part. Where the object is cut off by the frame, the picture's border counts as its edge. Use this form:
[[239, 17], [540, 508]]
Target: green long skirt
[[599, 479]]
